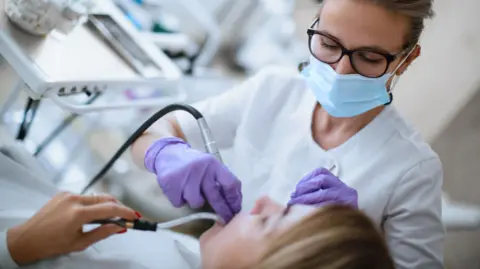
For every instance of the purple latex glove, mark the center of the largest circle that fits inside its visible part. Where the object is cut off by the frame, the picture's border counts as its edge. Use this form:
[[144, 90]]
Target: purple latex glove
[[188, 176], [320, 188]]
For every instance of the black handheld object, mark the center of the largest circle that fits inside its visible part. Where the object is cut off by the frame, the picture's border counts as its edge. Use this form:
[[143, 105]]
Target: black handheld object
[[164, 111], [139, 224]]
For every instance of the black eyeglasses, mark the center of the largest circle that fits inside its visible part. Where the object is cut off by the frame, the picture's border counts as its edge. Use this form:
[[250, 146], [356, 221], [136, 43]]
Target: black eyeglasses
[[366, 62]]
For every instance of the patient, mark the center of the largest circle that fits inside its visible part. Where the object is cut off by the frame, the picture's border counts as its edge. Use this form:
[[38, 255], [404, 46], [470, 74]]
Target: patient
[[42, 228], [302, 237]]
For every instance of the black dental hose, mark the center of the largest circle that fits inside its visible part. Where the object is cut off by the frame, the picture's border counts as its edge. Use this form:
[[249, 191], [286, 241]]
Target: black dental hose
[[209, 142]]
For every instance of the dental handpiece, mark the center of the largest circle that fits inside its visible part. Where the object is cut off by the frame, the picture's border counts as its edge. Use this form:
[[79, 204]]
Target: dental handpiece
[[145, 225], [210, 145]]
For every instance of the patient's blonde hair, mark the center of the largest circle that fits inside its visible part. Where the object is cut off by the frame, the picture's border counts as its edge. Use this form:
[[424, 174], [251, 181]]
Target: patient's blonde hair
[[335, 237]]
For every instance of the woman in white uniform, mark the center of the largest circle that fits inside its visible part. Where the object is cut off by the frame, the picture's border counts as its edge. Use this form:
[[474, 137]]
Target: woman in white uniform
[[42, 229], [336, 116]]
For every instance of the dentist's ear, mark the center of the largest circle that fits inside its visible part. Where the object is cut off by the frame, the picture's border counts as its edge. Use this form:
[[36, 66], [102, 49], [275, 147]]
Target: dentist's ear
[[416, 52]]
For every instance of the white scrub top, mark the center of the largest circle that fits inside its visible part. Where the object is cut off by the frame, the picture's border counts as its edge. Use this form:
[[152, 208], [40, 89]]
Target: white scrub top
[[266, 122], [21, 195]]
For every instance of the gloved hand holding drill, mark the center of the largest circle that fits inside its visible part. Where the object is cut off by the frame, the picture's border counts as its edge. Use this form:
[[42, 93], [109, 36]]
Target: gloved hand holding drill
[[188, 176]]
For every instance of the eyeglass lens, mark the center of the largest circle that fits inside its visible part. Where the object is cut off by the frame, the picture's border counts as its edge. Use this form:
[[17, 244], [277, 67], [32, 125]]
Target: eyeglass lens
[[366, 63]]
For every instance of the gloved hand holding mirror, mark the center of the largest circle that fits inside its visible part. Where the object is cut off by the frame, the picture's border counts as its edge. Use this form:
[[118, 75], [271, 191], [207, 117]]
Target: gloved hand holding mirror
[[321, 187]]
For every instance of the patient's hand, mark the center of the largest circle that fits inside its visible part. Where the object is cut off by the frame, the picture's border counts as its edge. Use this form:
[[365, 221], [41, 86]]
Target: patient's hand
[[57, 228], [320, 188]]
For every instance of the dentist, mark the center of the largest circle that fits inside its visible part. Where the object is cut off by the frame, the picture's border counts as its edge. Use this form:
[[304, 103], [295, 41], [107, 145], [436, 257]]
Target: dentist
[[329, 132]]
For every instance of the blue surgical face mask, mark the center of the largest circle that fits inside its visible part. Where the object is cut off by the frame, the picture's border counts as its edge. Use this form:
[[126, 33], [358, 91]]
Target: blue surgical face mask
[[345, 96]]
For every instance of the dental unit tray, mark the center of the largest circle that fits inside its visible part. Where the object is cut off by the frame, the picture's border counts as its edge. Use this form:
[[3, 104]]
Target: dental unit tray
[[82, 62]]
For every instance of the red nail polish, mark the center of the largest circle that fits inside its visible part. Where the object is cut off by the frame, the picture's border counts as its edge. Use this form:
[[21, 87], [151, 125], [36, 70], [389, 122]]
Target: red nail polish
[[122, 231], [138, 215]]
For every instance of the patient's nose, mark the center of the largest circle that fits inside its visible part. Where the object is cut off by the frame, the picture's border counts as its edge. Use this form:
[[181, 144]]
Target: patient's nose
[[265, 205]]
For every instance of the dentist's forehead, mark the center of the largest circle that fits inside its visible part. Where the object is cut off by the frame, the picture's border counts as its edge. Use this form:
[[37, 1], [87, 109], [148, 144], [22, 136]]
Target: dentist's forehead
[[347, 21]]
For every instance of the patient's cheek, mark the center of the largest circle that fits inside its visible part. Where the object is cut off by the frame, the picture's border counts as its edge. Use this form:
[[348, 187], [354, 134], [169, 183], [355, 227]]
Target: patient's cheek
[[238, 245]]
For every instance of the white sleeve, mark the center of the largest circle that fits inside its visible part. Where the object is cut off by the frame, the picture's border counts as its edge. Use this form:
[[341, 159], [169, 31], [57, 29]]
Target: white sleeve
[[413, 225], [223, 113], [6, 261]]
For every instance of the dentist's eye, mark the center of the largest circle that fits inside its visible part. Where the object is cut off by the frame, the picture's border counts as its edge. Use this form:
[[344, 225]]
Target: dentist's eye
[[328, 46]]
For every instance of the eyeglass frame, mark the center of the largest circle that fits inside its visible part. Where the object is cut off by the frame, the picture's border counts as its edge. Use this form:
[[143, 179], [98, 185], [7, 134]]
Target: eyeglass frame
[[388, 56]]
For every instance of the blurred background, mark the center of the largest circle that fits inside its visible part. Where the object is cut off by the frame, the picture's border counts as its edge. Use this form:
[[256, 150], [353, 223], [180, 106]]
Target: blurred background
[[217, 44]]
